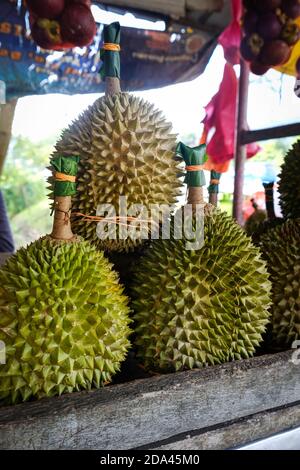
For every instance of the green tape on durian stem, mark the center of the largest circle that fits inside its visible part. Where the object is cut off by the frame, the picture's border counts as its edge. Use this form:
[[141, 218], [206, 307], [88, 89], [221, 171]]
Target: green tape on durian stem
[[66, 168], [194, 158], [214, 182], [110, 53]]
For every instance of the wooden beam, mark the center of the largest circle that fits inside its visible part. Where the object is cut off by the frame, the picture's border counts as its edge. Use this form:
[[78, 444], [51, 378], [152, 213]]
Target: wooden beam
[[148, 411], [172, 8], [240, 149], [238, 433], [289, 130], [7, 112]]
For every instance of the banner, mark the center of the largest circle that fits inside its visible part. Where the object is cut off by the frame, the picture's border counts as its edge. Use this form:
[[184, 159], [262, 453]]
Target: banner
[[149, 59]]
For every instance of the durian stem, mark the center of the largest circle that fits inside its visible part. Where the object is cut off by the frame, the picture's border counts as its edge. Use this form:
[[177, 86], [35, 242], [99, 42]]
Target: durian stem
[[112, 86], [62, 222], [269, 196], [213, 199], [195, 195]]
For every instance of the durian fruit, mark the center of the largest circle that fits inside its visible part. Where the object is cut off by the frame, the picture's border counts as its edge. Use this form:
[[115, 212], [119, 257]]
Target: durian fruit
[[126, 148], [200, 307], [255, 220], [289, 183], [281, 249], [63, 315]]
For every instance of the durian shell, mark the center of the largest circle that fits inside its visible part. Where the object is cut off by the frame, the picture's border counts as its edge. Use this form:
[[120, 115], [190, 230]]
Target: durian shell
[[202, 307], [127, 149], [255, 221], [281, 249], [289, 183], [63, 318]]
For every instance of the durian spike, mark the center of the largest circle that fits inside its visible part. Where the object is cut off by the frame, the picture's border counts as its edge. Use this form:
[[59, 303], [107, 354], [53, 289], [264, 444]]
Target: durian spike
[[194, 158], [64, 172], [111, 58], [269, 197], [213, 188]]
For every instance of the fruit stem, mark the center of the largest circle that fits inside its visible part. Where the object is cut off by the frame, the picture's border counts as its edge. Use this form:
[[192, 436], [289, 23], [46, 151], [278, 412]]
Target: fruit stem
[[194, 159], [269, 197], [213, 188], [62, 218], [110, 55], [112, 86], [195, 195], [65, 168]]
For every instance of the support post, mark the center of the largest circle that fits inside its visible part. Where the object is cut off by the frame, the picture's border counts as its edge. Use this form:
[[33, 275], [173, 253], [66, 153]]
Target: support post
[[240, 150], [7, 112]]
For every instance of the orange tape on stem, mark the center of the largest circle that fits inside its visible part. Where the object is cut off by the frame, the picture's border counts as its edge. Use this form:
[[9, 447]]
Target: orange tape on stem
[[63, 177], [109, 46]]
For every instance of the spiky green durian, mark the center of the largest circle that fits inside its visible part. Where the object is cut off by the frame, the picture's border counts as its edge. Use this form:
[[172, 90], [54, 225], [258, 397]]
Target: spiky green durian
[[289, 183], [281, 249], [63, 320], [201, 307], [126, 148]]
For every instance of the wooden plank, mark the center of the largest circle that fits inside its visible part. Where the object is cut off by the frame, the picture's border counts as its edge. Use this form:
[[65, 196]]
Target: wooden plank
[[238, 433], [240, 149], [150, 410], [289, 130], [7, 112]]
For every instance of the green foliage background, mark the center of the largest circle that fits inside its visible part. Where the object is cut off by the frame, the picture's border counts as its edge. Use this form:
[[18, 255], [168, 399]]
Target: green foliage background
[[23, 184]]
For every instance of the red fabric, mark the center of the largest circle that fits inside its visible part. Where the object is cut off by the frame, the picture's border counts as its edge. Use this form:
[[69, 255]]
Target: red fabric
[[230, 39], [220, 123]]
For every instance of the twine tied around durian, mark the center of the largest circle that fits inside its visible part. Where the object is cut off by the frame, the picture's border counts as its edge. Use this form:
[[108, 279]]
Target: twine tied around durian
[[117, 220]]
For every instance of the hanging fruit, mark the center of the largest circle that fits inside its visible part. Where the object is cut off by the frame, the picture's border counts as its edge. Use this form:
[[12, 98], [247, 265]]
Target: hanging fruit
[[49, 9], [270, 32], [61, 24], [77, 24]]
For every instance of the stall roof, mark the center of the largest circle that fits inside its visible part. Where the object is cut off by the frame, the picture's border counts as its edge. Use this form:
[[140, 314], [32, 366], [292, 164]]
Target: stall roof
[[152, 58], [212, 15]]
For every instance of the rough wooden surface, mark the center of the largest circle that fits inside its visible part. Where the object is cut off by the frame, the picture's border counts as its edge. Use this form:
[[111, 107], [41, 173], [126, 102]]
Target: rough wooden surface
[[143, 412], [238, 433]]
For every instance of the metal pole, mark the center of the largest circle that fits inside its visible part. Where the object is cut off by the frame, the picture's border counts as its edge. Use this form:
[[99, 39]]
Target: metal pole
[[240, 150]]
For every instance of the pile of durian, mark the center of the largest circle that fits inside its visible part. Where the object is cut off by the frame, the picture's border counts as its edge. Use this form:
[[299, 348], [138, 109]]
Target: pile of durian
[[64, 317]]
